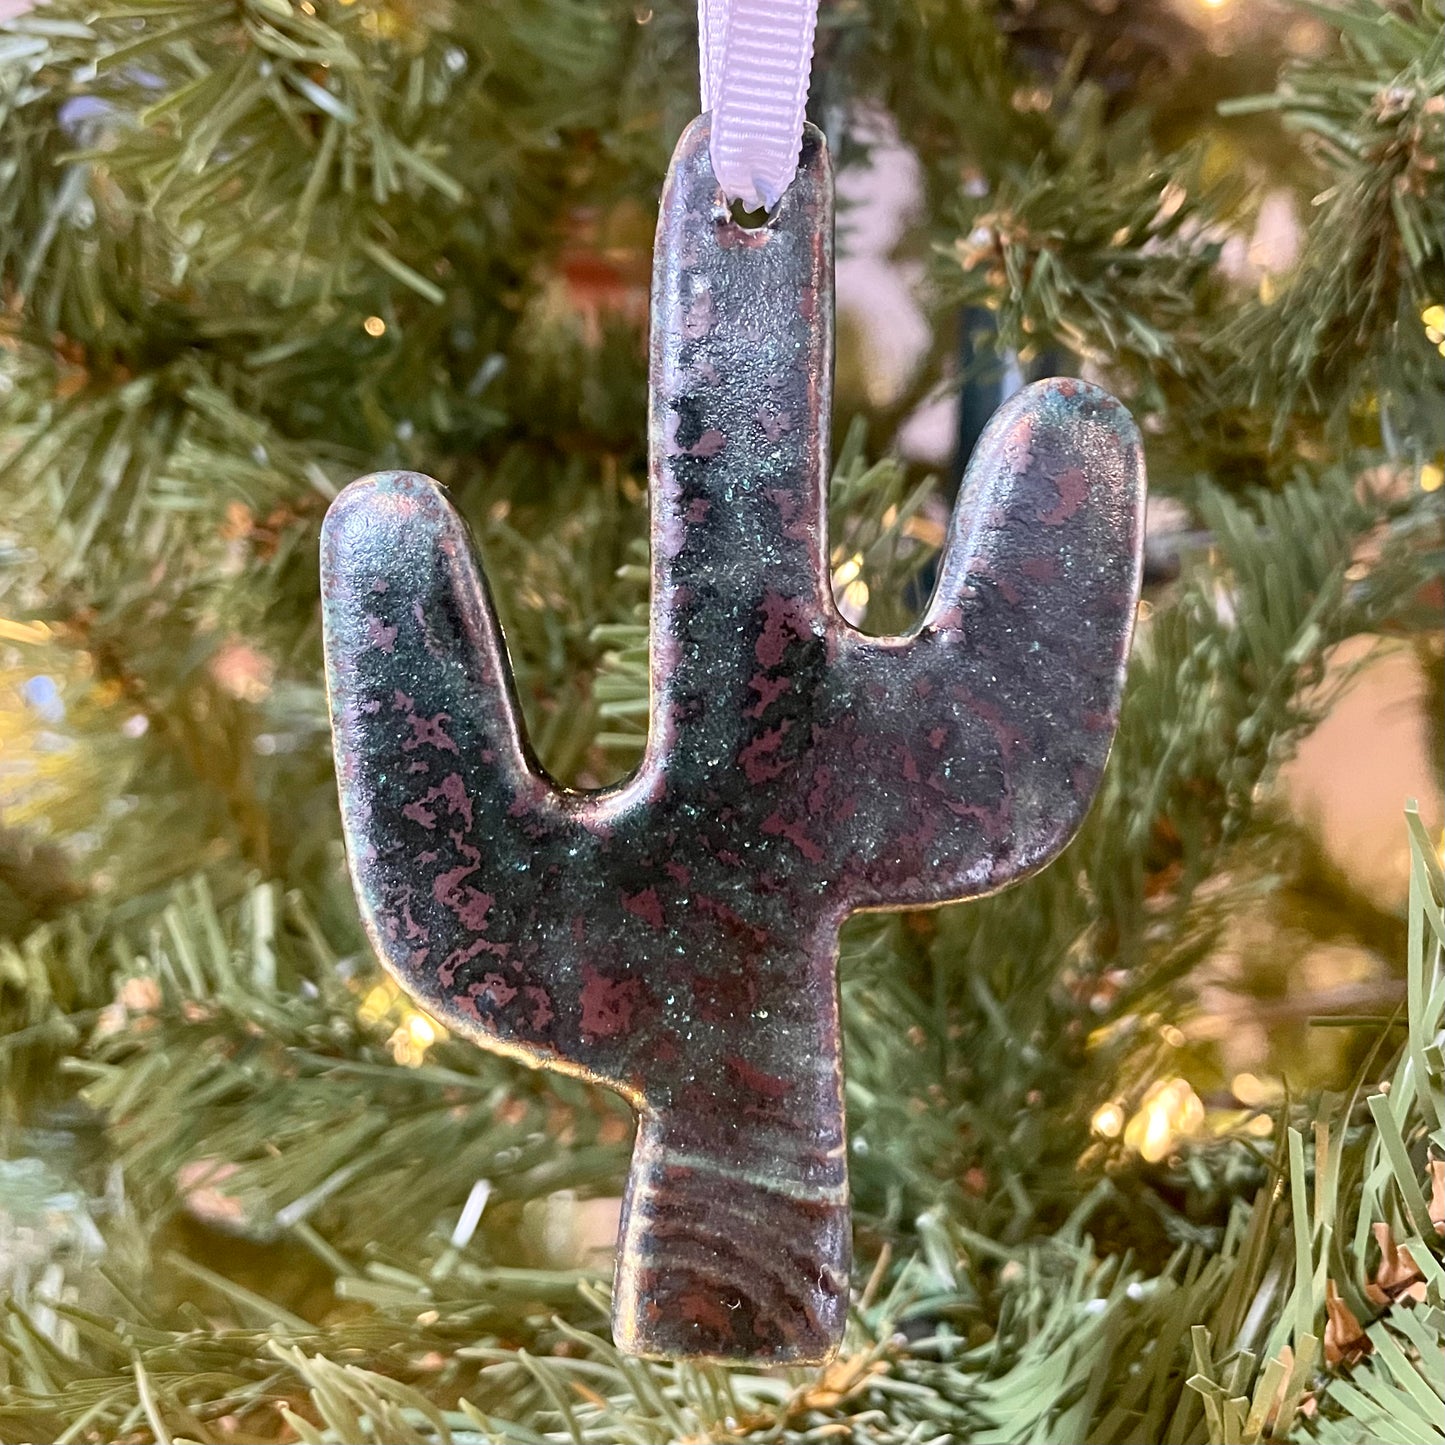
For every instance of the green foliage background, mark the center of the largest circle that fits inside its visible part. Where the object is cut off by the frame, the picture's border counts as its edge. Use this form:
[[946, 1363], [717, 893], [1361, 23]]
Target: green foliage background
[[252, 248]]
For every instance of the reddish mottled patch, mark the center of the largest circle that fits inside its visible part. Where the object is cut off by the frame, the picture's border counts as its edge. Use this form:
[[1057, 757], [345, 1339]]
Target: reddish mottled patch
[[680, 873], [709, 444], [609, 1005], [380, 636], [1017, 445], [707, 1311], [1098, 722], [818, 794], [645, 905], [937, 737], [447, 969], [414, 931], [782, 624], [697, 510], [494, 989], [775, 425], [429, 732], [1040, 569], [791, 513], [699, 317], [380, 585], [420, 813], [993, 821], [452, 790], [725, 999], [768, 689], [758, 760], [910, 767], [428, 641], [542, 1010], [732, 921], [923, 687], [921, 837], [418, 765], [1072, 486], [769, 1086], [776, 826], [1008, 737], [469, 904]]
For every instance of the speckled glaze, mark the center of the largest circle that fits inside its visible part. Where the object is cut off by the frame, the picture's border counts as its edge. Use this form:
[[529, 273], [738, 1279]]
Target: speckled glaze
[[676, 936]]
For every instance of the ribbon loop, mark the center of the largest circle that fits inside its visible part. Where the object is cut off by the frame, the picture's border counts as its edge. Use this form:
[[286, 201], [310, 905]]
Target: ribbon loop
[[755, 59]]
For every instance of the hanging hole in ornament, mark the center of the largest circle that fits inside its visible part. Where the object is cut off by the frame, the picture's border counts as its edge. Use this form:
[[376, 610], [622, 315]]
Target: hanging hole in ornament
[[747, 220]]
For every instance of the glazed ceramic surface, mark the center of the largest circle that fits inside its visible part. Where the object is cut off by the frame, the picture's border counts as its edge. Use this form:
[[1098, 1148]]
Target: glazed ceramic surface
[[676, 936]]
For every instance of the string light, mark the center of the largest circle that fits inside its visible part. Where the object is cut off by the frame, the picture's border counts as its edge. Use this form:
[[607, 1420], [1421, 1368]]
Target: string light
[[415, 1031], [852, 590], [1256, 1093], [1170, 1111], [374, 326], [377, 1004], [414, 1035], [1108, 1120], [1432, 477], [1433, 319]]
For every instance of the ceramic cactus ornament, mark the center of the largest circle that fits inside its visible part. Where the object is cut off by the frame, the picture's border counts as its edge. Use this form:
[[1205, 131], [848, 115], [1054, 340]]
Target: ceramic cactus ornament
[[675, 936]]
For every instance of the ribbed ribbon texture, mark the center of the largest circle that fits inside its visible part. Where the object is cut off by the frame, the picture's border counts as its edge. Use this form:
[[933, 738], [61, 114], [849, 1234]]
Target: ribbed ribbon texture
[[755, 57]]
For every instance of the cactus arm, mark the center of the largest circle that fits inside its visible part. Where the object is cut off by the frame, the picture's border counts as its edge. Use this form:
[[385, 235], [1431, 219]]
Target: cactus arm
[[455, 835], [989, 726]]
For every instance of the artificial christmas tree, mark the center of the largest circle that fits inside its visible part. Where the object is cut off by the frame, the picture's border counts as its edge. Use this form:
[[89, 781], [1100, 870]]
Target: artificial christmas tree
[[250, 250]]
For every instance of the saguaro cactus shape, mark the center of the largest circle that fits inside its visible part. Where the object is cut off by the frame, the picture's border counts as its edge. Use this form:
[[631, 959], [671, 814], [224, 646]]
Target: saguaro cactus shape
[[676, 936]]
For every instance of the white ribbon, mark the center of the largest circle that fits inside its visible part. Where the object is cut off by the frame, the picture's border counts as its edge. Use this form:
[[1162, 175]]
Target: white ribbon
[[754, 61]]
